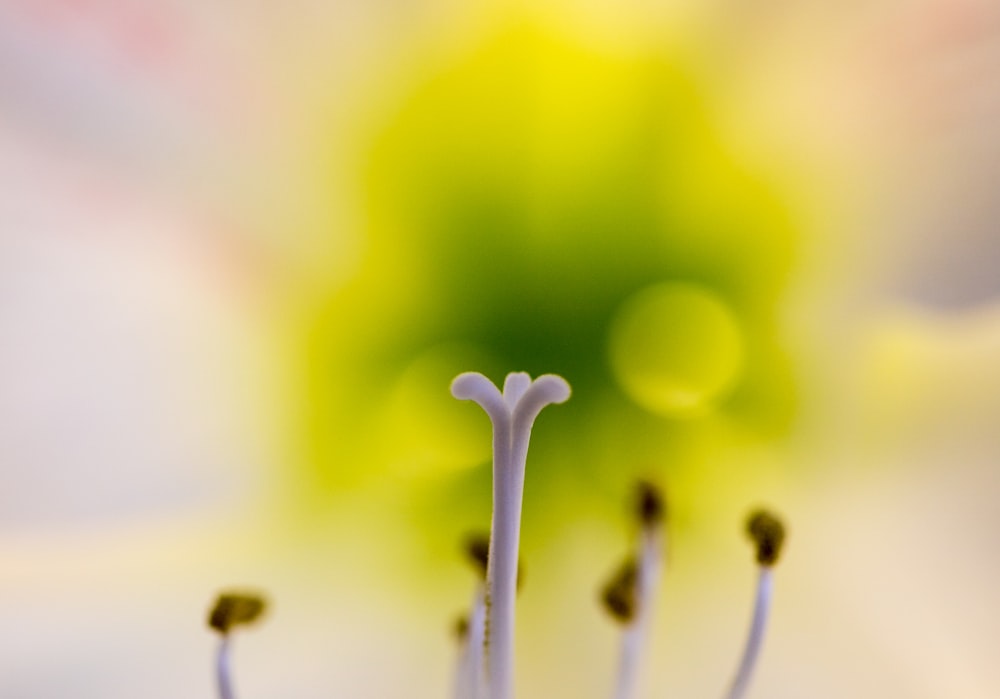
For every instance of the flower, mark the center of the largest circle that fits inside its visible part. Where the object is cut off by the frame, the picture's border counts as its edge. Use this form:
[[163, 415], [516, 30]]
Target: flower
[[487, 634]]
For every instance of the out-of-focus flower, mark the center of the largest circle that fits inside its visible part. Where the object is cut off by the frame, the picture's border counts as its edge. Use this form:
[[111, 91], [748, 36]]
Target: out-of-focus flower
[[243, 252], [536, 200]]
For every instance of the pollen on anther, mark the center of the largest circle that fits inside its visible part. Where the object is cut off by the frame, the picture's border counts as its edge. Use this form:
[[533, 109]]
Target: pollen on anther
[[235, 609], [477, 550], [460, 628], [768, 533], [619, 592], [650, 505]]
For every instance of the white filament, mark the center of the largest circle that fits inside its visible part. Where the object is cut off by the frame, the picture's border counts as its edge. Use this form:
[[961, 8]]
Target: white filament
[[469, 674], [636, 633], [222, 669], [762, 606], [513, 413]]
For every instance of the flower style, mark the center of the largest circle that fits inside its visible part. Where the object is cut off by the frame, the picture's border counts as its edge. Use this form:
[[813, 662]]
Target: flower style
[[512, 413]]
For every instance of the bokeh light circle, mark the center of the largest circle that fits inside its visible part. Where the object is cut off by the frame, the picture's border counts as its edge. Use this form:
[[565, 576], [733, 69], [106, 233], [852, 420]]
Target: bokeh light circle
[[676, 349], [427, 432]]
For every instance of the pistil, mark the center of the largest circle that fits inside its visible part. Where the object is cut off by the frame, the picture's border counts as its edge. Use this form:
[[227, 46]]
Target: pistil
[[512, 413]]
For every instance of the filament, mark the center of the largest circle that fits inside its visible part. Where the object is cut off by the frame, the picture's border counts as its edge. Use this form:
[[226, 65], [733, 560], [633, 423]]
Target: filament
[[469, 670], [755, 639], [222, 669], [648, 569]]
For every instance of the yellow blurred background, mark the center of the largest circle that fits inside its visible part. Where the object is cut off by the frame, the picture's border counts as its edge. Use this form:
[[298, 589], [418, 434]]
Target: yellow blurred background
[[243, 251]]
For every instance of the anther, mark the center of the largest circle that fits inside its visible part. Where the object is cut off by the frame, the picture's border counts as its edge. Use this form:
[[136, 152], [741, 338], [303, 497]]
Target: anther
[[619, 592], [231, 609], [768, 533]]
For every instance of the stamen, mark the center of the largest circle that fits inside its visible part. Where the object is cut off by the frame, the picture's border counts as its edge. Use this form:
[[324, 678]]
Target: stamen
[[235, 609], [468, 682], [469, 679], [512, 414], [651, 508], [629, 594], [475, 646], [471, 634], [231, 609], [461, 628], [619, 592], [768, 533], [477, 551]]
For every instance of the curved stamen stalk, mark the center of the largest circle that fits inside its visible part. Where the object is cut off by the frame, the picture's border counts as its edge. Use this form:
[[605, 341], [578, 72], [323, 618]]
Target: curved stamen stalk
[[231, 610], [768, 534], [512, 414], [629, 595]]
